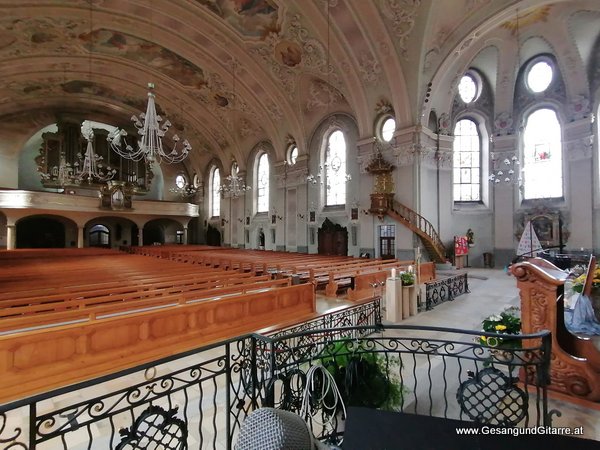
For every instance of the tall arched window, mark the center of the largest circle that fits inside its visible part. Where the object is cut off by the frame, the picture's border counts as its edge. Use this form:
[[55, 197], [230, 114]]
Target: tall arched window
[[467, 162], [262, 184], [335, 169], [215, 193], [542, 156]]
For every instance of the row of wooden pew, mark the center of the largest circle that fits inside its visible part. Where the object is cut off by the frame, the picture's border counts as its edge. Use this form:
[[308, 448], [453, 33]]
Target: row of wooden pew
[[67, 317]]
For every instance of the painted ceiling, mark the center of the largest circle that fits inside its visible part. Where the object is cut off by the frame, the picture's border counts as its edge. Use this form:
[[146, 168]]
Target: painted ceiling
[[232, 73]]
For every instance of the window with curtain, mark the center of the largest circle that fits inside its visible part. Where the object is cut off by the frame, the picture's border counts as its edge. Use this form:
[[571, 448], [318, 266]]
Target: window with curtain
[[215, 193], [335, 169], [467, 162], [262, 184], [542, 155]]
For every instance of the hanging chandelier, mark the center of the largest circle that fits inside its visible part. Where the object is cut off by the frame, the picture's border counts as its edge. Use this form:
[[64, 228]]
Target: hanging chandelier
[[151, 132], [91, 167], [234, 186]]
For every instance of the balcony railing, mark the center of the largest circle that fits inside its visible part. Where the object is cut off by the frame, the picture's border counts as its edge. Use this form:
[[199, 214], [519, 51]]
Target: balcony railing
[[199, 399]]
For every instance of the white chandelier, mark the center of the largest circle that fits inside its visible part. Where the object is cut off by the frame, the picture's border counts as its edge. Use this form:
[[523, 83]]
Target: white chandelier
[[150, 145], [91, 167], [509, 171], [234, 186]]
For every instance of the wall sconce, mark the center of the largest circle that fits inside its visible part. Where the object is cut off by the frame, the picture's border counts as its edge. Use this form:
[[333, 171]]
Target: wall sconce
[[223, 222], [365, 212], [301, 216], [240, 220], [279, 217]]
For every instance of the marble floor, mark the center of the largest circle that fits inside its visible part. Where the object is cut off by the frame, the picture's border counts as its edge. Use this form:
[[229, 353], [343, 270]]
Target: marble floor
[[491, 291]]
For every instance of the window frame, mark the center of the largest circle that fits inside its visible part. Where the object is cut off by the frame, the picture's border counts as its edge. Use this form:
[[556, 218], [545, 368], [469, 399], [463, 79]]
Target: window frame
[[258, 189], [476, 77], [214, 194], [527, 69], [481, 167], [525, 118], [326, 169]]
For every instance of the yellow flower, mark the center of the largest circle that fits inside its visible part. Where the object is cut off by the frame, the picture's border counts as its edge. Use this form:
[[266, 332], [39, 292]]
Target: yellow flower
[[500, 327], [483, 338]]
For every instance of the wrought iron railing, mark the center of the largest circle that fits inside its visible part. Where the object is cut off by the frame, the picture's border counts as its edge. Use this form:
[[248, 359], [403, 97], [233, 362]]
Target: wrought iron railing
[[445, 290], [198, 399]]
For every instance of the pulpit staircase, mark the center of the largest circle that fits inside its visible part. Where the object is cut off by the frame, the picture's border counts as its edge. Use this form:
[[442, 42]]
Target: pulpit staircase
[[422, 227], [382, 204]]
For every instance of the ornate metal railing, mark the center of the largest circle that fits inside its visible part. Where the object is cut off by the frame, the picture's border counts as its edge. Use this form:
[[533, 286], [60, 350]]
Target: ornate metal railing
[[199, 399], [445, 290], [456, 377]]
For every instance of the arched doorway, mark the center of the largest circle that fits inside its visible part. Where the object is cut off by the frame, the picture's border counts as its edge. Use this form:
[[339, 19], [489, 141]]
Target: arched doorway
[[213, 236], [161, 231], [45, 232], [99, 236]]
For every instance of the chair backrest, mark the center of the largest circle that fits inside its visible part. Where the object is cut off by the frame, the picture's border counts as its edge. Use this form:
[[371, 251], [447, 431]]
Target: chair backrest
[[589, 278]]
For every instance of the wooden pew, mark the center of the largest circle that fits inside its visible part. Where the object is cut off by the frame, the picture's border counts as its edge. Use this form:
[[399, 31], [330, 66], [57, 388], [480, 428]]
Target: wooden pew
[[39, 360]]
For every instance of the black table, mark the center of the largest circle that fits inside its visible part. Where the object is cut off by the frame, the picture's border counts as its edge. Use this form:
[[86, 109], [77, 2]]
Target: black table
[[369, 429]]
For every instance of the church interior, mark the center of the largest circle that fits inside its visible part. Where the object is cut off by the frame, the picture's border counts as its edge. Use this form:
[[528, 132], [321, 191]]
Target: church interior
[[191, 191]]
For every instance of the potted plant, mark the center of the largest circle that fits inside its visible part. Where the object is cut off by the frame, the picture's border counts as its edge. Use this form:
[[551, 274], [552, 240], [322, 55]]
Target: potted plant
[[507, 322], [408, 278], [364, 377]]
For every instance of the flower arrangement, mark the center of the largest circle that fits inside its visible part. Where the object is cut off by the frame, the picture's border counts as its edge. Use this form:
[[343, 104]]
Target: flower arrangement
[[507, 322], [408, 278], [579, 282]]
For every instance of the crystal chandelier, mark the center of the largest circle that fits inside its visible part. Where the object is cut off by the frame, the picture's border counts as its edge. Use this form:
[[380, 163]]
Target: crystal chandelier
[[507, 171], [151, 132], [234, 186], [91, 167]]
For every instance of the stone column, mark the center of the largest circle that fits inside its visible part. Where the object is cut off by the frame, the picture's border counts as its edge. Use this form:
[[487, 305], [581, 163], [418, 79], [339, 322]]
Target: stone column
[[80, 240], [185, 235], [11, 237], [140, 236]]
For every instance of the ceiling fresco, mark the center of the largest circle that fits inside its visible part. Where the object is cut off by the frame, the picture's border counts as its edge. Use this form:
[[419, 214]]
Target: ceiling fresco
[[250, 18], [297, 60]]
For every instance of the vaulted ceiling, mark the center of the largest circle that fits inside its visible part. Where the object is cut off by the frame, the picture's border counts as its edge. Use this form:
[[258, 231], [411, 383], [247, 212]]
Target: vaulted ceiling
[[231, 73]]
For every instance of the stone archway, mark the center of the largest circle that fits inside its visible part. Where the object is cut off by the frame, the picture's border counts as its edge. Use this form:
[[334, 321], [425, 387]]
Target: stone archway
[[46, 231]]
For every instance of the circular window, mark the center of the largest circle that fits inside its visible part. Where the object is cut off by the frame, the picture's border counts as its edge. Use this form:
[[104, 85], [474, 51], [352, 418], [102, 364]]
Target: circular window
[[293, 155], [539, 76], [468, 88], [180, 181], [388, 128]]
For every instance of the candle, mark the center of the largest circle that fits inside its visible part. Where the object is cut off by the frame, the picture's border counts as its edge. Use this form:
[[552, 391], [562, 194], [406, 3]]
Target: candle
[[410, 269], [394, 273]]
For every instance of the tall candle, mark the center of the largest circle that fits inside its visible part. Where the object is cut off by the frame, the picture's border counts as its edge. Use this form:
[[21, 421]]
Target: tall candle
[[393, 273]]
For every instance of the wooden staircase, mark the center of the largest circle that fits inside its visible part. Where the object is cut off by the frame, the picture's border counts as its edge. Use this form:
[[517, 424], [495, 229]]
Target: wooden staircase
[[422, 227]]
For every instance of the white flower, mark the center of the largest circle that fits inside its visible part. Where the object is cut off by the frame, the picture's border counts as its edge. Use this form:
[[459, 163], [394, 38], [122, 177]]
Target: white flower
[[495, 318]]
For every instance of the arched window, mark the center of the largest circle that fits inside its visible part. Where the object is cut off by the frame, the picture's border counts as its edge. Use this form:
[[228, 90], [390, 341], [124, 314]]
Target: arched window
[[99, 236], [335, 169], [542, 156], [262, 184], [467, 162], [215, 193]]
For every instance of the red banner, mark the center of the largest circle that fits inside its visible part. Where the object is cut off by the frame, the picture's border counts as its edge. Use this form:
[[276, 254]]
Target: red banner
[[461, 246]]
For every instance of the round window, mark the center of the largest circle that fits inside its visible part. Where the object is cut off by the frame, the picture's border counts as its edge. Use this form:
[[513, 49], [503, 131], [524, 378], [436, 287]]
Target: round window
[[539, 76], [467, 88], [293, 155], [180, 181], [388, 128]]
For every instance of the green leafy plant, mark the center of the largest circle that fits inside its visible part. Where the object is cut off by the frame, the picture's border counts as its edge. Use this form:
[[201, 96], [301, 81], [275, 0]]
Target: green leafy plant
[[364, 377], [507, 322], [408, 278]]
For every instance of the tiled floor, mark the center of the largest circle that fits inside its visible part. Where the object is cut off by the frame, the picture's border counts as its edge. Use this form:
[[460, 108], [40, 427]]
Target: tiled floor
[[491, 292]]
